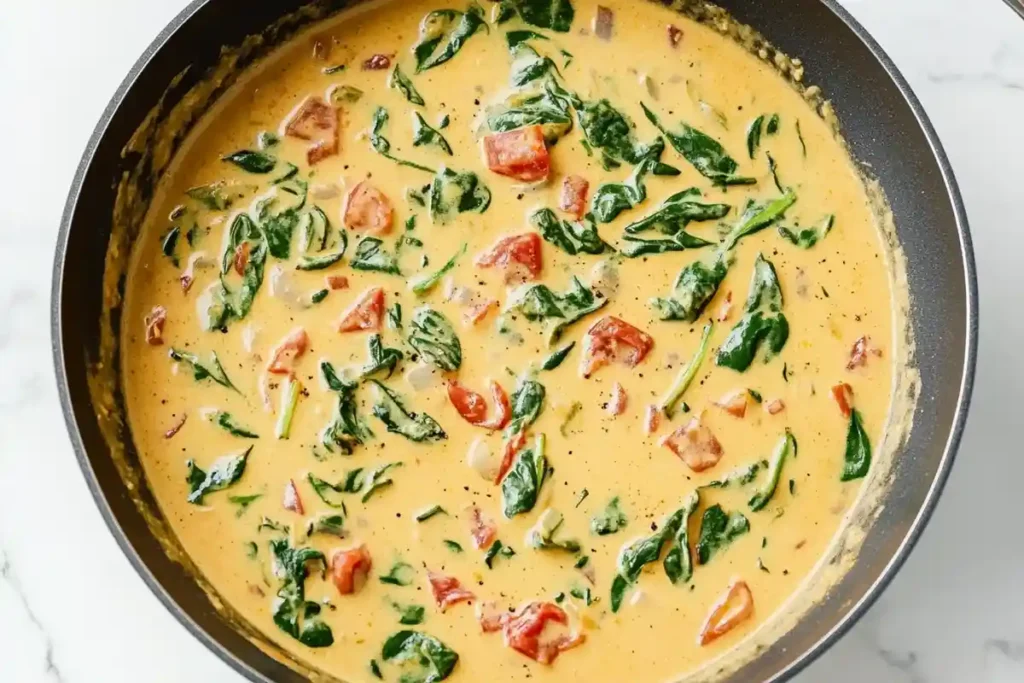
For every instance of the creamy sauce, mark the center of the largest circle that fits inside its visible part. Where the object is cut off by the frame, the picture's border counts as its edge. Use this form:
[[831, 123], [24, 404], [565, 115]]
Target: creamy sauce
[[834, 293]]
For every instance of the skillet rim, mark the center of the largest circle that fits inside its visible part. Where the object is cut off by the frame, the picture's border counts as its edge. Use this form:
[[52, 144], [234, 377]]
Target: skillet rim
[[801, 661]]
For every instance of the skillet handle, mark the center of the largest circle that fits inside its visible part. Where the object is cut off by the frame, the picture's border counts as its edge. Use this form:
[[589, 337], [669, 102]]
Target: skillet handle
[[1017, 6]]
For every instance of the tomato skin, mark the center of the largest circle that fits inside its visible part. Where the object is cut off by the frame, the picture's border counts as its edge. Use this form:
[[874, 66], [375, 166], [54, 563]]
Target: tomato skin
[[573, 198], [282, 362], [368, 210], [291, 499], [447, 590], [512, 446], [842, 394], [477, 312], [521, 154], [518, 255], [613, 339], [522, 630], [154, 322], [366, 313], [617, 405], [317, 121], [473, 407], [481, 529], [241, 259], [695, 445], [734, 403], [346, 565], [336, 282], [734, 607], [652, 418]]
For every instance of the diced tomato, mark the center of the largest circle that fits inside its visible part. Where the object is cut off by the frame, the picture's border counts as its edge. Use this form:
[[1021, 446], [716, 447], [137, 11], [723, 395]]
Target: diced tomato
[[675, 34], [734, 607], [725, 308], [775, 406], [377, 62], [619, 399], [365, 314], [317, 121], [282, 360], [291, 499], [481, 529], [517, 255], [843, 396], [490, 619], [695, 445], [612, 339], [336, 282], [348, 566], [522, 632], [473, 407], [447, 590], [573, 199], [176, 427], [241, 259], [368, 210], [477, 312], [652, 418], [734, 403], [858, 354], [512, 446], [154, 322], [521, 154]]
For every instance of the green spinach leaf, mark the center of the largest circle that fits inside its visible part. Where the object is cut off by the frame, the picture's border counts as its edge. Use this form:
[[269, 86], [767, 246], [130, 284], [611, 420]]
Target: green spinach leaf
[[381, 358], [252, 162], [434, 338], [686, 375], [633, 247], [610, 520], [371, 255], [521, 486], [382, 145], [436, 660], [543, 534], [423, 284], [390, 410], [556, 15], [857, 460], [243, 502], [292, 613], [608, 130], [527, 402], [702, 151], [572, 237], [331, 494], [432, 511], [763, 323], [693, 290], [224, 472], [400, 574], [678, 561], [453, 192], [556, 358], [496, 550], [347, 430], [377, 479], [718, 530], [228, 423], [549, 107], [611, 199], [409, 615], [538, 302], [329, 524], [757, 217], [676, 212], [443, 32], [808, 237], [212, 370], [754, 135], [404, 85], [423, 134], [784, 449]]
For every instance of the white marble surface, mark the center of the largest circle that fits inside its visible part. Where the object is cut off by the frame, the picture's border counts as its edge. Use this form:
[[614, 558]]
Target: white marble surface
[[71, 607]]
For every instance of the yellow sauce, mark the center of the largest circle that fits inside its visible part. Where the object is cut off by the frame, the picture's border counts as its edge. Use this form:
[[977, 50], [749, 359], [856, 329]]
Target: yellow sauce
[[706, 81]]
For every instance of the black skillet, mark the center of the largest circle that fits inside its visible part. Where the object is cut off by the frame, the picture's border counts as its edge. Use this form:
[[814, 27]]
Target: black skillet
[[882, 121]]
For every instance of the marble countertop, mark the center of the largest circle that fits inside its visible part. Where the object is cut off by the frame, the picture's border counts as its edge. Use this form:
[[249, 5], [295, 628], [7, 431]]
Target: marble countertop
[[73, 610]]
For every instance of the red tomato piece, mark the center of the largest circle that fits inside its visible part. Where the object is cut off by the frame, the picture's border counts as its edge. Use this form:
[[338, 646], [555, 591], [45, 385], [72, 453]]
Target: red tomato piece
[[517, 255], [447, 590], [734, 607], [843, 396], [573, 199], [522, 632], [481, 529], [612, 339], [291, 500], [473, 407], [858, 354], [725, 308], [348, 566], [365, 314], [619, 399], [282, 361], [490, 619], [336, 282], [695, 445], [154, 322], [521, 154], [652, 418], [775, 406], [241, 259], [368, 210], [512, 446], [477, 312], [734, 403], [176, 427], [315, 120], [377, 62]]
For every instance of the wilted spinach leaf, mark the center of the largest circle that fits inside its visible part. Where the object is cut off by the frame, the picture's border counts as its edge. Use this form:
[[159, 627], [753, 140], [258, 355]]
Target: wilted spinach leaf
[[390, 410], [212, 370], [224, 472], [611, 199], [347, 430], [808, 237], [521, 486], [686, 374], [608, 130], [702, 151], [228, 423], [538, 302], [763, 321], [443, 32], [633, 247], [572, 237], [423, 134], [293, 614], [550, 108], [434, 338], [754, 135], [693, 289], [383, 146], [404, 85], [678, 561], [381, 358], [377, 479], [371, 255], [556, 15], [453, 192], [252, 162], [409, 615], [436, 660], [757, 217], [784, 449], [718, 530], [857, 460], [527, 402], [676, 212], [610, 520]]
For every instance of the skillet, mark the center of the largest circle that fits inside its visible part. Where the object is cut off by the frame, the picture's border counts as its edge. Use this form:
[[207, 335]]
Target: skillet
[[881, 120]]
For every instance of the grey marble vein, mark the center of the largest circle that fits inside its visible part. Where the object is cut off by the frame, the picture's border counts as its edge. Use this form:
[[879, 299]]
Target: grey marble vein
[[904, 662], [10, 578], [1011, 649]]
